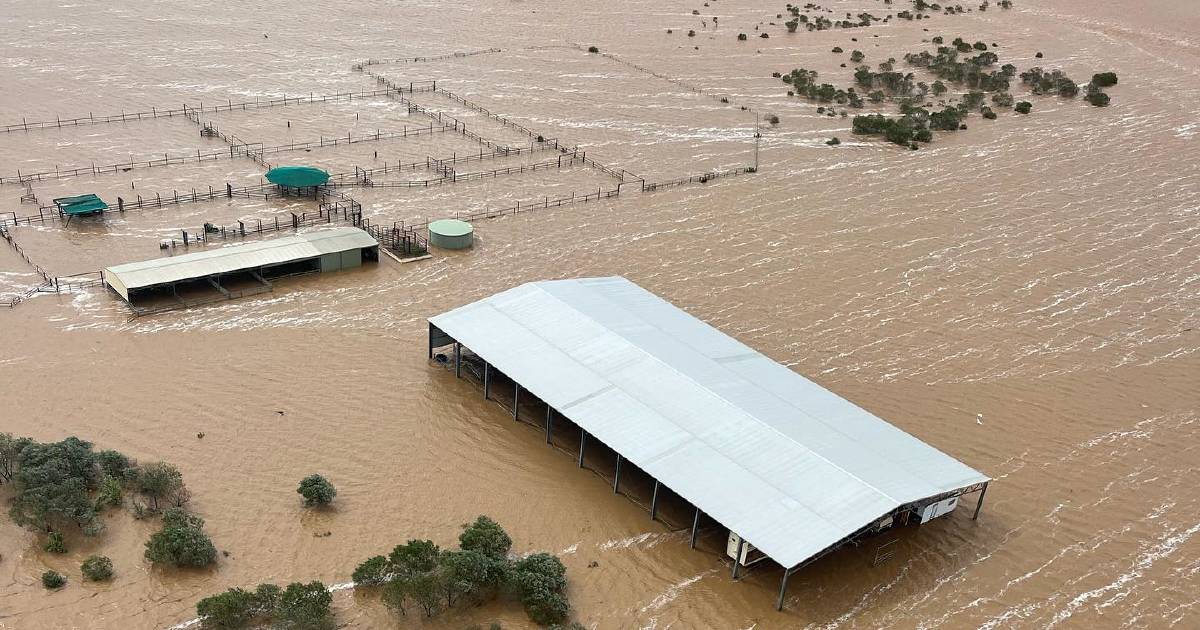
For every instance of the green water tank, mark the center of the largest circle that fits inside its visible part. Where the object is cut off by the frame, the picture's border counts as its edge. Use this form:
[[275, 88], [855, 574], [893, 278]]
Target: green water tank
[[451, 234]]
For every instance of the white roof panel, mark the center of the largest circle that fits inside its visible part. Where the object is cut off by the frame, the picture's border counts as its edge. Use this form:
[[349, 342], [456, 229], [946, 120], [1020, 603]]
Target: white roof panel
[[790, 466], [147, 273]]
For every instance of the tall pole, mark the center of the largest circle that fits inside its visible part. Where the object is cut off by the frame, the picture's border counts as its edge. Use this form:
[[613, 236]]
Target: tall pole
[[757, 136]]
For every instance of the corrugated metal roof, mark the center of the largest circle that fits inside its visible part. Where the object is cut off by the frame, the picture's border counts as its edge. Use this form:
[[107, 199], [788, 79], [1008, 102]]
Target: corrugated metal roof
[[210, 262], [790, 466]]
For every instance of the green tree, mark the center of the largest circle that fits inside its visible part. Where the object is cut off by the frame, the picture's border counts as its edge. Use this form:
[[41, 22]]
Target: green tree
[[1024, 107], [52, 482], [471, 574], [546, 608], [374, 571], [114, 464], [235, 608], [163, 482], [305, 607], [97, 568], [266, 598], [396, 595], [181, 541], [539, 579], [486, 536], [414, 557], [316, 490], [1105, 79]]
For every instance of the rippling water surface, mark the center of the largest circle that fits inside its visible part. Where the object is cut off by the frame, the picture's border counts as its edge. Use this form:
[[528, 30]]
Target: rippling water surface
[[1022, 295]]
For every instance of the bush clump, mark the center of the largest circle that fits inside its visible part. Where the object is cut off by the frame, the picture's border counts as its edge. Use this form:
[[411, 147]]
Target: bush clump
[[316, 490], [1024, 107], [299, 607], [97, 568], [181, 542], [1097, 98], [837, 50], [53, 580], [741, 37], [419, 575], [1104, 79], [593, 49]]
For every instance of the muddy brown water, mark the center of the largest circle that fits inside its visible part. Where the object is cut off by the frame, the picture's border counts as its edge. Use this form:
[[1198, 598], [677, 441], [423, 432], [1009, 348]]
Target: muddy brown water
[[1022, 295]]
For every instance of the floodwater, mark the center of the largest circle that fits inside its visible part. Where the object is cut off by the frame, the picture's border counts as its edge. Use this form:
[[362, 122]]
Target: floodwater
[[1024, 295]]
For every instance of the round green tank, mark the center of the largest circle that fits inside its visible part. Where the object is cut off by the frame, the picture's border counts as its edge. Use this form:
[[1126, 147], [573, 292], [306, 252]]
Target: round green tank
[[451, 234]]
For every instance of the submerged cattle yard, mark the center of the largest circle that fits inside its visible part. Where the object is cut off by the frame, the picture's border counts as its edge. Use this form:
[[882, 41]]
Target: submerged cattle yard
[[751, 306]]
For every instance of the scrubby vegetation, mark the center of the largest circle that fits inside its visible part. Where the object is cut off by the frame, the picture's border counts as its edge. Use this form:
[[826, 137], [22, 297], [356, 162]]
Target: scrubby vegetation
[[97, 569], [967, 74], [420, 576], [299, 606], [316, 490]]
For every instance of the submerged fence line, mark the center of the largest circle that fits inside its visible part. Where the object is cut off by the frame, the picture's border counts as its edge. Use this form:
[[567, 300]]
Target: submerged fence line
[[681, 83], [702, 178], [359, 65], [186, 109], [232, 151]]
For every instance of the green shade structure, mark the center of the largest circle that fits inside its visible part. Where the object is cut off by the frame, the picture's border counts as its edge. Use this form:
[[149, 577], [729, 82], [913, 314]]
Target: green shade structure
[[297, 176], [80, 205], [451, 234]]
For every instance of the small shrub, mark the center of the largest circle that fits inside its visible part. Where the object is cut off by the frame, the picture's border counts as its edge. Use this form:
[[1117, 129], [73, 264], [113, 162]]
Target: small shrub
[[772, 119], [857, 56], [764, 35], [988, 113], [1098, 98], [691, 33], [1024, 107], [53, 580], [316, 490], [97, 568], [55, 543], [837, 49], [1038, 55], [109, 494], [1104, 79], [593, 49], [833, 142]]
